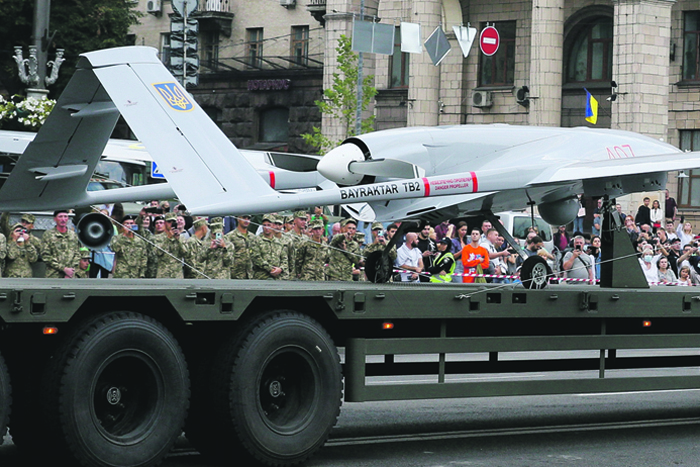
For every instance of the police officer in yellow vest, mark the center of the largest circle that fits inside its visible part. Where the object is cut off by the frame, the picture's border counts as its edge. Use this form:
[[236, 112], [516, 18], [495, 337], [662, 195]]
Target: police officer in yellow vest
[[444, 263]]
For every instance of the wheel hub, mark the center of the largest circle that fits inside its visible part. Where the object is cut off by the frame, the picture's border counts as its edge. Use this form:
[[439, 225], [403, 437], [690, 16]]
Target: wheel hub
[[275, 388], [114, 396]]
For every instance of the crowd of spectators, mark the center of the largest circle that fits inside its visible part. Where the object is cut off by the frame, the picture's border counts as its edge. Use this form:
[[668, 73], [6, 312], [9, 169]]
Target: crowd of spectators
[[164, 243]]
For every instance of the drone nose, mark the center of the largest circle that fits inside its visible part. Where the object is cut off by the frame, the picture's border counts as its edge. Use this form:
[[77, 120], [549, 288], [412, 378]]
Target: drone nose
[[335, 165]]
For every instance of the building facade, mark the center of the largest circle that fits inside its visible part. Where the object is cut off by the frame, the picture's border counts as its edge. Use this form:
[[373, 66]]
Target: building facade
[[639, 58]]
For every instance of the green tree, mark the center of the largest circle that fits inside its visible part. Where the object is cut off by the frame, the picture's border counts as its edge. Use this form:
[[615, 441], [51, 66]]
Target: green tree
[[340, 101], [79, 26]]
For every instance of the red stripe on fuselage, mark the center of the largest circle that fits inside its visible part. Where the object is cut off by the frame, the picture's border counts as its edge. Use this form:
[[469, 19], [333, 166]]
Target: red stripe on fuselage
[[272, 179], [426, 187], [475, 188]]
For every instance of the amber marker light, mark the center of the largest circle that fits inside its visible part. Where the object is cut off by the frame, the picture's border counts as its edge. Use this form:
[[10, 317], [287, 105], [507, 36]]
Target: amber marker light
[[386, 325], [646, 323], [48, 330]]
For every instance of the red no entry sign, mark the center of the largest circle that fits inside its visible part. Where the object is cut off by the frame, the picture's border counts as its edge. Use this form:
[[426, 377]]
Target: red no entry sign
[[489, 40]]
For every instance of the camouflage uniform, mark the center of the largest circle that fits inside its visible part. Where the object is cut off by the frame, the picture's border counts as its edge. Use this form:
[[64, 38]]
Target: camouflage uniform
[[266, 253], [242, 268], [83, 273], [131, 255], [60, 251], [169, 267], [311, 258], [194, 267], [19, 259], [7, 228], [216, 261], [341, 262], [151, 258]]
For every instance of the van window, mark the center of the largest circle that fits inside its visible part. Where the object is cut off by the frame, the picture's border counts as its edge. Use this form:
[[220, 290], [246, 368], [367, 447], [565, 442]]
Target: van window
[[521, 224]]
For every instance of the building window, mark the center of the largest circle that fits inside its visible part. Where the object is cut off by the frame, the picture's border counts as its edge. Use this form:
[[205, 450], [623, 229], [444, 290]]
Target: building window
[[210, 48], [274, 125], [689, 188], [254, 46], [300, 45], [590, 57], [398, 64], [691, 48], [499, 69], [165, 49]]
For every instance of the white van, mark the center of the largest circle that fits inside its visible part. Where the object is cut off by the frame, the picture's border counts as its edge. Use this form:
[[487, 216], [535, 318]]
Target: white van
[[518, 222]]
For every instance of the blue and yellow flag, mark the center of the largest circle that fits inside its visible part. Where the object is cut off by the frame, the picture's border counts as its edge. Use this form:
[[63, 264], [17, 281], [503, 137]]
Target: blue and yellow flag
[[591, 108]]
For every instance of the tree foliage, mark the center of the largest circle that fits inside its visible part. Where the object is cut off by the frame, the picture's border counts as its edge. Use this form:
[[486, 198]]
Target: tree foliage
[[79, 26], [340, 101]]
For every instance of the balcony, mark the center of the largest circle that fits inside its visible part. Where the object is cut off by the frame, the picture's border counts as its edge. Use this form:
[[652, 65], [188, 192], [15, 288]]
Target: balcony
[[317, 8], [215, 15]]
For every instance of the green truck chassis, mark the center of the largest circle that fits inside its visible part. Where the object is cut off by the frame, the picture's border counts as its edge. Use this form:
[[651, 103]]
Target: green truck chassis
[[111, 372]]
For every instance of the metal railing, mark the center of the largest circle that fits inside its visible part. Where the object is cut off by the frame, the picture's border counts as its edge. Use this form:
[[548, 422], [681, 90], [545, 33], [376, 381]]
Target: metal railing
[[219, 6], [268, 62]]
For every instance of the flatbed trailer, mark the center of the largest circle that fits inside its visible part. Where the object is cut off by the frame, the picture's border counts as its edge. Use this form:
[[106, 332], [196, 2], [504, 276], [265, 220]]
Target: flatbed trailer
[[110, 372]]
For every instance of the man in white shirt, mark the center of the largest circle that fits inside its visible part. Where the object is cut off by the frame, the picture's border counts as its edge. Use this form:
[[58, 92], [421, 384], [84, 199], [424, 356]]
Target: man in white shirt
[[410, 258]]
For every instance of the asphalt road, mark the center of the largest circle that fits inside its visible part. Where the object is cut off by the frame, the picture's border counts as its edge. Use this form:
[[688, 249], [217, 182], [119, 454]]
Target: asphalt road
[[640, 429]]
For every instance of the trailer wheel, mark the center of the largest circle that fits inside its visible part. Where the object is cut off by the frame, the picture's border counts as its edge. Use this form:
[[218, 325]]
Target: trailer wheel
[[5, 398], [122, 391], [280, 382], [535, 273]]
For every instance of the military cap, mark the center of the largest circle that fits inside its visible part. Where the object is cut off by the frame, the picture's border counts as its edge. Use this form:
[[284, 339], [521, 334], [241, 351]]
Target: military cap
[[59, 211], [377, 226], [278, 220], [15, 226], [171, 216], [288, 219], [84, 253], [216, 223], [129, 217], [347, 221], [200, 222], [158, 218], [317, 224], [28, 218], [360, 237], [300, 214], [268, 218]]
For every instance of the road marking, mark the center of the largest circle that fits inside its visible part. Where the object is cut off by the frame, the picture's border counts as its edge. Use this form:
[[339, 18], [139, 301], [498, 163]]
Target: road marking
[[633, 392]]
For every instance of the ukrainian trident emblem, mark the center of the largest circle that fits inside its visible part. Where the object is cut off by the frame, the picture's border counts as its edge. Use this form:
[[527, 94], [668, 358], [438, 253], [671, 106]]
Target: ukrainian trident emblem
[[175, 96]]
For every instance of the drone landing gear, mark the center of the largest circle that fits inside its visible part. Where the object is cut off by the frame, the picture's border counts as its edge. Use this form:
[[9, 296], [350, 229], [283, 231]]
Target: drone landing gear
[[535, 273], [378, 267]]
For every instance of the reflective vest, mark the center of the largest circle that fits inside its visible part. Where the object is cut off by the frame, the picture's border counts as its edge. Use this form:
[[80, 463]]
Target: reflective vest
[[442, 278]]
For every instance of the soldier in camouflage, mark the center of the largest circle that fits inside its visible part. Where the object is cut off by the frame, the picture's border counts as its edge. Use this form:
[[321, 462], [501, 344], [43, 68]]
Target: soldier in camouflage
[[267, 256], [21, 253], [287, 247], [60, 248], [297, 236], [170, 250], [27, 220], [195, 244], [144, 223], [83, 269], [242, 267], [130, 251], [379, 242], [312, 255], [349, 228], [341, 263], [217, 255]]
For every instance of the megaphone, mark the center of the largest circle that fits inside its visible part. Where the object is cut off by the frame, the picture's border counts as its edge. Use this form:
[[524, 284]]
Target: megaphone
[[95, 230]]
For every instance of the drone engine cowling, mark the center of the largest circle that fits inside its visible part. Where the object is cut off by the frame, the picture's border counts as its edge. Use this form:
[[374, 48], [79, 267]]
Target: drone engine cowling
[[559, 212]]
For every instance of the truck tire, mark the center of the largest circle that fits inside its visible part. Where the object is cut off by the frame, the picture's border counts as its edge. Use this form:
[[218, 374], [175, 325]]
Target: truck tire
[[5, 398], [279, 385], [117, 392]]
